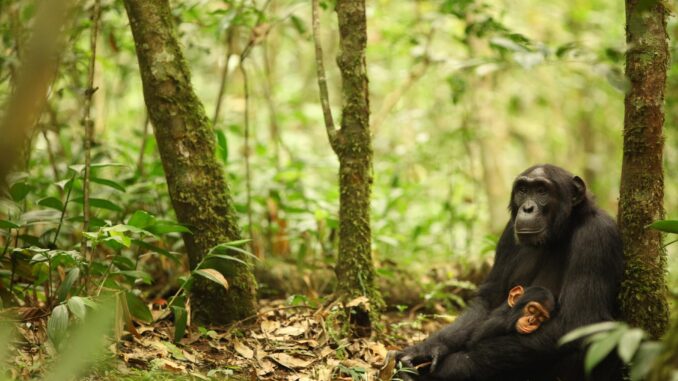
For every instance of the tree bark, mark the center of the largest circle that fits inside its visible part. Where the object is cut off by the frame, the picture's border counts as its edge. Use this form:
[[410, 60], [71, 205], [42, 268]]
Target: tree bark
[[353, 146], [643, 295], [38, 68], [199, 194]]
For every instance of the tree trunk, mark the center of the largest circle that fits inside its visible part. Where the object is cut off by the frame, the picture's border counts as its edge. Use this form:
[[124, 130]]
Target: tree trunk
[[355, 270], [195, 180], [643, 296]]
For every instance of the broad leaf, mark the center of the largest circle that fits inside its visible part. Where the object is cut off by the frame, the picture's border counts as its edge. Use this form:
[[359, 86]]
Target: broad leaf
[[180, 320], [57, 325], [213, 275], [135, 274], [164, 227], [141, 219], [108, 183], [4, 224], [51, 202], [77, 307], [228, 258], [668, 226], [100, 203], [587, 331], [645, 359], [19, 191], [629, 344], [138, 308], [67, 284], [599, 350]]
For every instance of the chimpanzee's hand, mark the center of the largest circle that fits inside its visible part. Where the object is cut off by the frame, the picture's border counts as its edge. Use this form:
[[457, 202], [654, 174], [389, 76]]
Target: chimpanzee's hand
[[422, 358]]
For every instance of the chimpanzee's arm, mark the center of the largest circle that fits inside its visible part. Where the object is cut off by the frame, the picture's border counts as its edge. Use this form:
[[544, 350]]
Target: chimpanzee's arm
[[456, 335], [588, 295]]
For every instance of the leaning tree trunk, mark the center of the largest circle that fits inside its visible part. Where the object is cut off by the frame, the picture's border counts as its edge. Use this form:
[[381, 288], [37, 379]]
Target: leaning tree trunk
[[195, 180], [36, 74], [353, 146], [643, 296]]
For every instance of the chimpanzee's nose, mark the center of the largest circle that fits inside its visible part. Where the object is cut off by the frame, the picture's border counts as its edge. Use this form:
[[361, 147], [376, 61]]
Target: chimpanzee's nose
[[528, 207]]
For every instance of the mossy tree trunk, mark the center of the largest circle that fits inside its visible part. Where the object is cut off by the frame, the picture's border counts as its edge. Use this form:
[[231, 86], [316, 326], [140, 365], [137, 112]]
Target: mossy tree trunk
[[195, 180], [353, 145], [643, 296]]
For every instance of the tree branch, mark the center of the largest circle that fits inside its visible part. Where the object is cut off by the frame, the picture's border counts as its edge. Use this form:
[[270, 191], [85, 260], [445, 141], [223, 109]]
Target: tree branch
[[87, 122], [322, 80]]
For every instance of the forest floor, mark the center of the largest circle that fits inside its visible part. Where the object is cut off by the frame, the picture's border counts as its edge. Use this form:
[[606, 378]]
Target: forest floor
[[282, 342]]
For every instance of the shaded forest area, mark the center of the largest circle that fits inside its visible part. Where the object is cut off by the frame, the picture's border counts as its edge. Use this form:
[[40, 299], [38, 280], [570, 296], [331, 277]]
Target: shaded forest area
[[301, 190]]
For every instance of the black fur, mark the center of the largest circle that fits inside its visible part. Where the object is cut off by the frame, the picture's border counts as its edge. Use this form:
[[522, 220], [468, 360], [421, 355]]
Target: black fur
[[578, 258]]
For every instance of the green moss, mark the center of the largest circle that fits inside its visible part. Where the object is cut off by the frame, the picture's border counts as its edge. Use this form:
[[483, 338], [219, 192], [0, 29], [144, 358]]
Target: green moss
[[195, 180]]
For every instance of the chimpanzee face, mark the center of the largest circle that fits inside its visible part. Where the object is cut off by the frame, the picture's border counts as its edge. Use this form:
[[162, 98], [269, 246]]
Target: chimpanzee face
[[542, 202], [534, 201]]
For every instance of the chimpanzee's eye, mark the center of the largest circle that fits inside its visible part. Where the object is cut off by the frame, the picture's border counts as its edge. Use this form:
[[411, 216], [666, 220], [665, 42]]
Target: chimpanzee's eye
[[541, 190], [522, 189]]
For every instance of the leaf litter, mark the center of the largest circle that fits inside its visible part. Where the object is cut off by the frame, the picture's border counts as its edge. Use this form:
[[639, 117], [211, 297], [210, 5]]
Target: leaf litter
[[283, 342]]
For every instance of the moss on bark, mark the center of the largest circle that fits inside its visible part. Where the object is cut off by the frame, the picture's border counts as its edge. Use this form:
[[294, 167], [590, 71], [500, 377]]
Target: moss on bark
[[355, 270], [643, 294], [200, 196]]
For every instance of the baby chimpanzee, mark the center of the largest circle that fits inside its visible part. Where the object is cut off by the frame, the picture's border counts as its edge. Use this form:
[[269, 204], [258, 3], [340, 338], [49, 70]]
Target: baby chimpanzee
[[526, 309]]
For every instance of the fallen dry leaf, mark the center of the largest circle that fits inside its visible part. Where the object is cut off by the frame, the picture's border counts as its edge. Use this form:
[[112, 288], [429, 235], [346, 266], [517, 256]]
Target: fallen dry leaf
[[290, 362], [293, 330], [265, 367], [243, 350], [359, 301], [269, 326]]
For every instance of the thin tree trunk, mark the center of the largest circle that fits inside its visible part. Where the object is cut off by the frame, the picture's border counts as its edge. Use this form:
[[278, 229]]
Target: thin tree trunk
[[643, 296], [199, 194], [355, 270], [353, 146]]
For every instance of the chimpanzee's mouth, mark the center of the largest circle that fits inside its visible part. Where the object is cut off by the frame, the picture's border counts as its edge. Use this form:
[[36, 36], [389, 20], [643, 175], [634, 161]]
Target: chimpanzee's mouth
[[529, 231]]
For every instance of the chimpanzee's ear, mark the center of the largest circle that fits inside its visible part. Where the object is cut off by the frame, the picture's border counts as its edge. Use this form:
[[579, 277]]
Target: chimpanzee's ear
[[579, 192], [515, 293]]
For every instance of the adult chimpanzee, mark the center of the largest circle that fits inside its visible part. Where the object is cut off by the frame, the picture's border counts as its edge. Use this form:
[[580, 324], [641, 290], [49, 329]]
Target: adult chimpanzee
[[558, 239]]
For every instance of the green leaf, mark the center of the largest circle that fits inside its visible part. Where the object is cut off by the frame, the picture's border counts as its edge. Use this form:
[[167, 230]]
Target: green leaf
[[19, 191], [99, 203], [298, 24], [180, 320], [629, 344], [136, 274], [230, 246], [164, 227], [141, 219], [57, 325], [4, 224], [120, 237], [222, 146], [104, 165], [600, 349], [77, 307], [77, 168], [108, 183], [156, 249], [52, 202], [67, 284], [645, 359], [213, 275], [64, 184], [229, 258], [587, 331], [668, 226], [138, 308], [86, 345]]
